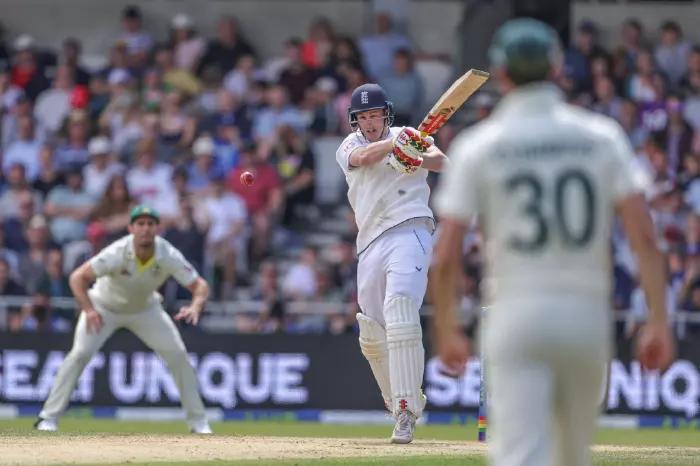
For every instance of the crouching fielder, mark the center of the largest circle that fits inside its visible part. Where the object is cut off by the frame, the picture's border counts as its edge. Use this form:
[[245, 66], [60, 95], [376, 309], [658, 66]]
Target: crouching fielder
[[128, 273], [386, 170]]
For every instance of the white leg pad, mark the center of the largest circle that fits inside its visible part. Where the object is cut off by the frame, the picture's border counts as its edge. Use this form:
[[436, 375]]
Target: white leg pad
[[406, 354], [374, 349]]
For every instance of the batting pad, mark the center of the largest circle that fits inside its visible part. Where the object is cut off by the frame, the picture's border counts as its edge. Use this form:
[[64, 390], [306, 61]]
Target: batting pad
[[406, 354], [373, 347]]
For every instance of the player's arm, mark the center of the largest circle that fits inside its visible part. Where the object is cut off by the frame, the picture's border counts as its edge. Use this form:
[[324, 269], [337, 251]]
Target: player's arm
[[434, 159], [370, 154], [451, 344], [654, 344], [80, 281], [200, 292]]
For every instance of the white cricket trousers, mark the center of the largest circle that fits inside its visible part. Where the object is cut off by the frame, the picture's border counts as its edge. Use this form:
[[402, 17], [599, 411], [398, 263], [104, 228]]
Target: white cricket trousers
[[545, 362], [156, 329], [395, 264]]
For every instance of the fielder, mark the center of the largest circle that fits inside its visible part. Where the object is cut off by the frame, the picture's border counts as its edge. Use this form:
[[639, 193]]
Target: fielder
[[545, 179], [128, 273], [386, 170]]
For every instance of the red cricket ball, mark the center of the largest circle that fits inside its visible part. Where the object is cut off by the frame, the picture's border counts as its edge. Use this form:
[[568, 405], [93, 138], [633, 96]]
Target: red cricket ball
[[247, 178]]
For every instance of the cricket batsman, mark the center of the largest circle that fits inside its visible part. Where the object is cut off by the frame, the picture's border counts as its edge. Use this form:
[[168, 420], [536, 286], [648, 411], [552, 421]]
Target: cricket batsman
[[545, 179], [126, 275], [386, 169]]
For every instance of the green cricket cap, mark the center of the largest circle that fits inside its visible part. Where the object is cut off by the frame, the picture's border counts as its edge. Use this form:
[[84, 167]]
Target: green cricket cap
[[144, 211]]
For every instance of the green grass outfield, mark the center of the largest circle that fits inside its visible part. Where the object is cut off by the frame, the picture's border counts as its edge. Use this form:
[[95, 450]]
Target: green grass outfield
[[672, 444]]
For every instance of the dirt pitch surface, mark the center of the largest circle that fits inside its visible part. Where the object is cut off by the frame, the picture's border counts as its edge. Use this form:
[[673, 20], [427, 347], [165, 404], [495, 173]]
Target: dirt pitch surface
[[150, 448]]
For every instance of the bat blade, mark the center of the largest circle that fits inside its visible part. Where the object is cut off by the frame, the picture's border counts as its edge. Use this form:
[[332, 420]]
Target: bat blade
[[451, 100]]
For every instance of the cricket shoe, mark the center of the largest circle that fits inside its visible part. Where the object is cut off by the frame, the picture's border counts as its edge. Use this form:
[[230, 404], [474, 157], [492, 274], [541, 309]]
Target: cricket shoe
[[404, 428], [46, 425], [201, 427]]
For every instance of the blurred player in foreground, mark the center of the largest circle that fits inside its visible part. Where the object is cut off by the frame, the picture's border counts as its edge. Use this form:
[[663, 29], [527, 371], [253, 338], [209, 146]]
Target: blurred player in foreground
[[128, 273], [386, 169], [545, 180]]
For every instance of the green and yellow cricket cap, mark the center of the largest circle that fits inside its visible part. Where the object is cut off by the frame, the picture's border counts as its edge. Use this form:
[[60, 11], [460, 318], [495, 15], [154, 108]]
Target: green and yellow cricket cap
[[526, 48], [144, 211]]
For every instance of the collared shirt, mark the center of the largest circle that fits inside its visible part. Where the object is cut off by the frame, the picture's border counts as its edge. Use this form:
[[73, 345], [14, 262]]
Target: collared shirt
[[125, 285], [543, 177]]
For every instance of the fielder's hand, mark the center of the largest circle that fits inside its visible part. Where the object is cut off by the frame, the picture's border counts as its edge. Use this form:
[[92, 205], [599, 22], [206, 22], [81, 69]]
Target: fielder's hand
[[654, 346], [189, 314], [453, 351], [93, 321], [408, 149]]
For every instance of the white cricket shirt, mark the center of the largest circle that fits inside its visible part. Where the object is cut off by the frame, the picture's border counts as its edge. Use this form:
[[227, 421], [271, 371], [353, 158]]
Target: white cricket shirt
[[380, 196], [543, 177], [124, 285]]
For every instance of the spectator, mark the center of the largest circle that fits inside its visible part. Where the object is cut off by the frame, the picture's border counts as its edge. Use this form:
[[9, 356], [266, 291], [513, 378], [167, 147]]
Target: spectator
[[49, 177], [677, 135], [225, 216], [239, 80], [176, 128], [316, 49], [9, 93], [295, 163], [606, 102], [27, 72], [150, 182], [15, 226], [405, 88], [227, 141], [74, 149], [204, 168], [379, 48], [263, 199], [267, 289], [187, 45], [112, 210], [672, 53], [345, 55], [230, 112], [579, 56], [68, 208], [72, 49], [138, 42], [277, 113], [188, 237], [32, 261], [178, 79], [24, 150], [223, 52], [17, 187], [53, 104], [102, 167], [322, 95], [296, 77], [77, 252], [153, 89], [629, 119], [8, 286], [10, 256], [632, 41], [299, 284]]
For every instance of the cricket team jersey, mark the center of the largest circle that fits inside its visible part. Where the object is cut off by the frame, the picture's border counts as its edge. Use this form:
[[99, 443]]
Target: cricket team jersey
[[543, 177], [125, 285], [380, 196]]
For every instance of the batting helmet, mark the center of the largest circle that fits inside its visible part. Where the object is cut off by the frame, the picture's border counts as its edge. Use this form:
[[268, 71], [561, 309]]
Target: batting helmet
[[527, 49], [369, 97]]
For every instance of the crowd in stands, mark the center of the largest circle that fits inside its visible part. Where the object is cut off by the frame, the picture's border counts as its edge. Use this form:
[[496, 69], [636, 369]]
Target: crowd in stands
[[173, 121]]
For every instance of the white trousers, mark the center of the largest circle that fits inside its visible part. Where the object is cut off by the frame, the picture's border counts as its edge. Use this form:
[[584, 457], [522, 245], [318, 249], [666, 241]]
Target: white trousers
[[395, 264], [155, 328], [545, 361]]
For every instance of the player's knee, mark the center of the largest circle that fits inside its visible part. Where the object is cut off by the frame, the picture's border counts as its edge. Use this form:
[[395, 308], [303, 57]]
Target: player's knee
[[372, 337]]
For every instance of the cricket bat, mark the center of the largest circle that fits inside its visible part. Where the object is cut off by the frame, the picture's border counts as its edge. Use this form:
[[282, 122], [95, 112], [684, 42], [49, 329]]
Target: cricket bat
[[450, 100]]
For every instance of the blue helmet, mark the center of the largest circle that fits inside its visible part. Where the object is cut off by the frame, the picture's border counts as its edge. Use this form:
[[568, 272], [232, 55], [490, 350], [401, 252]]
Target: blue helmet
[[369, 97]]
